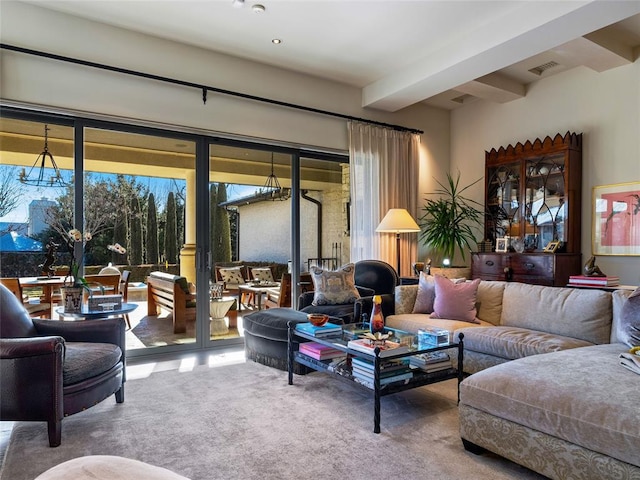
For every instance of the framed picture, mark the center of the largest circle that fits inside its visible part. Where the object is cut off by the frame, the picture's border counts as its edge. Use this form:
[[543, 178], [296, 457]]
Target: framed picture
[[616, 219], [551, 247], [501, 244]]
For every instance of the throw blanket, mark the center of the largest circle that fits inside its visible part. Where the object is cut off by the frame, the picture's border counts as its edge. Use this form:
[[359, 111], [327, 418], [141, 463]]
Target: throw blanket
[[630, 361]]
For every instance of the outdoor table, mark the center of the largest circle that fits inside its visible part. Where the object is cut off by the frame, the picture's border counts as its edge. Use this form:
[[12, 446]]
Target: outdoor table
[[86, 314], [218, 308]]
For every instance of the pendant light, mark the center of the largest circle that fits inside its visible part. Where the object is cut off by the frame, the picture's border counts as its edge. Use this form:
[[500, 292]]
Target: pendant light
[[272, 186], [36, 176]]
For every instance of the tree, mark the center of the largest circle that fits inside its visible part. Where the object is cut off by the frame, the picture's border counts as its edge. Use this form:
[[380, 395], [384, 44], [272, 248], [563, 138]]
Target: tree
[[152, 231], [171, 231], [221, 236], [120, 236], [135, 227], [10, 191]]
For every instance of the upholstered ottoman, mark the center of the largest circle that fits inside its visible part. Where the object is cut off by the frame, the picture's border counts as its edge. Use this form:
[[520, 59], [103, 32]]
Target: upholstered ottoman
[[266, 336], [107, 467]]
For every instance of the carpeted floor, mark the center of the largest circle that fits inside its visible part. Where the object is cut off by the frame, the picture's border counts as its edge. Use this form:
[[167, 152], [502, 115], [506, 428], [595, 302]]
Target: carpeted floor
[[244, 422]]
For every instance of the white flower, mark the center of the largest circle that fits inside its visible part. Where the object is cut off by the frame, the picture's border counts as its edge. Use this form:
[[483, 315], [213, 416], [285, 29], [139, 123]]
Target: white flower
[[75, 235], [87, 237]]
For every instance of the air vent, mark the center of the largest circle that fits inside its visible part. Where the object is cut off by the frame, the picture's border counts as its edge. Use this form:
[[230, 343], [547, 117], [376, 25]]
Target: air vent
[[545, 66], [462, 98]]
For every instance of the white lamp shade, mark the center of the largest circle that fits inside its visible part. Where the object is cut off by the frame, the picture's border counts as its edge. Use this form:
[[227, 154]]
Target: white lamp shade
[[398, 220]]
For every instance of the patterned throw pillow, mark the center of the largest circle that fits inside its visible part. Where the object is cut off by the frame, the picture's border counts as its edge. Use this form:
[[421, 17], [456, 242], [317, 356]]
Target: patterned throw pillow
[[629, 331], [455, 301], [262, 274], [232, 275], [334, 287]]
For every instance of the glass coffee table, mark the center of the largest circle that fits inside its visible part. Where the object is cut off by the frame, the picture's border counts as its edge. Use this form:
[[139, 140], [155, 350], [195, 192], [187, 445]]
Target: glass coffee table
[[380, 370]]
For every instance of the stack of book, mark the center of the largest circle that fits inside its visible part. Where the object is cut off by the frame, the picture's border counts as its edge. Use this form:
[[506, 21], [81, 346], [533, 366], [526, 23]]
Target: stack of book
[[320, 352], [327, 330], [584, 281], [431, 362], [391, 371], [387, 349]]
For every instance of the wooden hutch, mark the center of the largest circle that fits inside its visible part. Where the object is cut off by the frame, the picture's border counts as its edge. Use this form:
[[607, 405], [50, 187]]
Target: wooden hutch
[[533, 197]]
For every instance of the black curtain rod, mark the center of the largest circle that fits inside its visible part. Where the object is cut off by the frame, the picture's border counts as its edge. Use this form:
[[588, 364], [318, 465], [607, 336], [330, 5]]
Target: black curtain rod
[[204, 88]]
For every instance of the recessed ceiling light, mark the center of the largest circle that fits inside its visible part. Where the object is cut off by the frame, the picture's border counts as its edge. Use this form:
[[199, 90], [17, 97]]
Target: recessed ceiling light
[[276, 41], [257, 8]]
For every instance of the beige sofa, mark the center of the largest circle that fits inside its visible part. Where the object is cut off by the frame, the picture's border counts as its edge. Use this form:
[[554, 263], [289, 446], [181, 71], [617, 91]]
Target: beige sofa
[[555, 399]]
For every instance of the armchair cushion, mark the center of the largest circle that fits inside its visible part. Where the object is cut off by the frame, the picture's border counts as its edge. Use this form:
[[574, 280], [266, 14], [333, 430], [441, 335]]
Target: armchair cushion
[[87, 360], [334, 287], [264, 274], [232, 275]]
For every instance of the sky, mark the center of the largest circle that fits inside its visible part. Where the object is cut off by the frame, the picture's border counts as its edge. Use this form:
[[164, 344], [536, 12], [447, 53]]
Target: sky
[[158, 186]]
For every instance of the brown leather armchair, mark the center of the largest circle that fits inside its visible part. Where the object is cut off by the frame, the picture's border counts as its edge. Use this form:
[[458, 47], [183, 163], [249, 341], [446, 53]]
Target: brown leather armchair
[[51, 369]]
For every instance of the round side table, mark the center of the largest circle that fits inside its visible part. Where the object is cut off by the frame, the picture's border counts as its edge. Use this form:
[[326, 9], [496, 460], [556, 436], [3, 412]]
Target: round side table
[[218, 308]]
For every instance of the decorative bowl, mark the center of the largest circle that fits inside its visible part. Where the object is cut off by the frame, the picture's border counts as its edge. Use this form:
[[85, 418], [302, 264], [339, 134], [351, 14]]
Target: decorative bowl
[[317, 319]]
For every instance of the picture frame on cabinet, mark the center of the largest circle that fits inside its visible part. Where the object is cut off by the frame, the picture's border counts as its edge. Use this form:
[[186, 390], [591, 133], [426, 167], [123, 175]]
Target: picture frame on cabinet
[[552, 247], [502, 244], [616, 219]]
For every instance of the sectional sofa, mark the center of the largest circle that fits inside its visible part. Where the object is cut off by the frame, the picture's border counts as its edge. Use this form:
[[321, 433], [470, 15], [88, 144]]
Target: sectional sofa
[[547, 389]]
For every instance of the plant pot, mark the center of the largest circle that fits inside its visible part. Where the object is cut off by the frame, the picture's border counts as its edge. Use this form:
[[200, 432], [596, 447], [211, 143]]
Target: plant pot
[[72, 299], [452, 272]]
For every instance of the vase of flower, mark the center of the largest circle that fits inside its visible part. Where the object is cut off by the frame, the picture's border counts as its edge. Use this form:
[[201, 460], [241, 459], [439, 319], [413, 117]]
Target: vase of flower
[[72, 298]]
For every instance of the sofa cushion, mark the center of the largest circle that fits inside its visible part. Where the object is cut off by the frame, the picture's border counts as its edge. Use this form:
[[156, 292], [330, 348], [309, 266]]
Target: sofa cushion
[[232, 276], [571, 312], [264, 274], [489, 301], [84, 360], [455, 301], [619, 298], [405, 298], [514, 342], [334, 287], [629, 328], [578, 395], [181, 281], [426, 294]]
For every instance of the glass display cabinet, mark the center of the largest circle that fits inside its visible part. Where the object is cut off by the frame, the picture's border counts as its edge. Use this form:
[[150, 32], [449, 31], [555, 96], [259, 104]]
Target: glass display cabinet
[[533, 208]]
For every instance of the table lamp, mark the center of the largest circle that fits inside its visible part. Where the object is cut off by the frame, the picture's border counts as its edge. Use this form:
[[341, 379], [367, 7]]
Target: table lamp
[[398, 220]]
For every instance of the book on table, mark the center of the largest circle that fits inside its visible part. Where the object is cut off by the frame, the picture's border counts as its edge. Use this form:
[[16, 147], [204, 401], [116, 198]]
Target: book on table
[[594, 281], [387, 349], [385, 365], [319, 352], [369, 382], [327, 330]]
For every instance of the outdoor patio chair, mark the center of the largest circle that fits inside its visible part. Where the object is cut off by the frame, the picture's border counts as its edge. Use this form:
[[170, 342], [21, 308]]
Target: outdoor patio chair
[[39, 309], [44, 368]]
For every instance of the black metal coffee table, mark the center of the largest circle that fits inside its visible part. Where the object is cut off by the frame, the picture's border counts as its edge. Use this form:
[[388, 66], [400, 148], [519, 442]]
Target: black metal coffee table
[[345, 370]]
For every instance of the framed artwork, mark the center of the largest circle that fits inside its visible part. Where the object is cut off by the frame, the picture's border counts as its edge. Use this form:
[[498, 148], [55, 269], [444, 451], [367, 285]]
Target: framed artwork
[[552, 247], [501, 244], [616, 219]]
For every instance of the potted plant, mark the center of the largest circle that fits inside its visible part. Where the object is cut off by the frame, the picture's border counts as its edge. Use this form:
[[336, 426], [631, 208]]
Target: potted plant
[[449, 223], [74, 284]]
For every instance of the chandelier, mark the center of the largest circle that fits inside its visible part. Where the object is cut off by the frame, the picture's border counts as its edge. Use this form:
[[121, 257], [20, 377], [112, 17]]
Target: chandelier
[[36, 176], [272, 186]]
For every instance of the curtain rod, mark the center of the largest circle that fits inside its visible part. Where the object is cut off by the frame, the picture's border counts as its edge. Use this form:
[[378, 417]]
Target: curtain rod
[[203, 88]]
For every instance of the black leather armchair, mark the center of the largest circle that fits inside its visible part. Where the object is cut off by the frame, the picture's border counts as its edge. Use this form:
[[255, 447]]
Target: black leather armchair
[[372, 277], [51, 369]]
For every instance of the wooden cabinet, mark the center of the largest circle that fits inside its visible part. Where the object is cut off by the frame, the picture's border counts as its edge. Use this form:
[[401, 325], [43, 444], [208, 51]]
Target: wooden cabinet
[[533, 193], [533, 196], [535, 268]]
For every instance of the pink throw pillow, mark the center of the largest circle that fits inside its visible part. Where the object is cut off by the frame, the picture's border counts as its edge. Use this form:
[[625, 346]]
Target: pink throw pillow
[[455, 301]]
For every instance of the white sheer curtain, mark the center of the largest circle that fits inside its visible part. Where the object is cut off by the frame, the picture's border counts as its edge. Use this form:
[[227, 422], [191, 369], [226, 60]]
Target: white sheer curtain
[[384, 175]]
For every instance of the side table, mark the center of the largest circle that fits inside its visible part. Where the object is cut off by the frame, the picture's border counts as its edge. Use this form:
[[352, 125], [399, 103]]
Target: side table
[[218, 308]]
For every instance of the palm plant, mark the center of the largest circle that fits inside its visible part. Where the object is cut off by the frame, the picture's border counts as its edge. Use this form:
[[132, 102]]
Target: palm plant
[[449, 222]]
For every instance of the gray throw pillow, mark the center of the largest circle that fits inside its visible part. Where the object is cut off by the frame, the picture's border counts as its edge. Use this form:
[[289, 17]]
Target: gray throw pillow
[[629, 332], [426, 294]]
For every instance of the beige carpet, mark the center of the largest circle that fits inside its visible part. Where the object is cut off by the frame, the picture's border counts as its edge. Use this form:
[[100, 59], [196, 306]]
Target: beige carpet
[[244, 422]]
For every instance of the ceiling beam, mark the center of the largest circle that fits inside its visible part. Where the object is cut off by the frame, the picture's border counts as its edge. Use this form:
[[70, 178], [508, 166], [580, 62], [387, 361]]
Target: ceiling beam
[[528, 31]]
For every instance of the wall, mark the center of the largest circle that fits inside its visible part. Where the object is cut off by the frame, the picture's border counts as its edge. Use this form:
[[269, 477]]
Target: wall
[[91, 90], [604, 107]]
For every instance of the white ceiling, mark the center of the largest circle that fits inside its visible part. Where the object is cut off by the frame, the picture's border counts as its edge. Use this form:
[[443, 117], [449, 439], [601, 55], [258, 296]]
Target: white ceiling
[[445, 53]]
